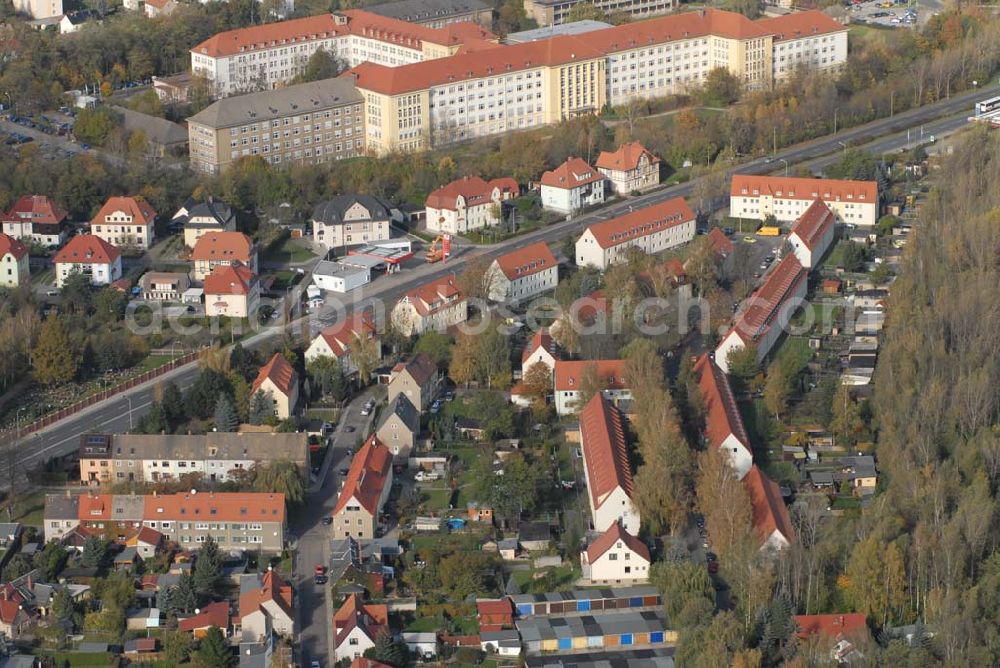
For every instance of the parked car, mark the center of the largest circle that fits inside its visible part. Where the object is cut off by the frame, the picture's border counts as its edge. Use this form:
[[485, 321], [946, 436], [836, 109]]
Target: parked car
[[327, 520], [320, 569], [436, 406], [348, 428], [321, 579]]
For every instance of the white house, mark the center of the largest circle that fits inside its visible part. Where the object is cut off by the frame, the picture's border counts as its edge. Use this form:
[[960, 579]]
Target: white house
[[542, 348], [631, 168], [13, 261], [351, 220], [764, 316], [125, 221], [768, 513], [522, 274], [265, 603], [278, 380], [812, 234], [422, 644], [572, 186], [616, 557], [724, 427], [570, 374], [470, 203], [91, 256], [231, 290], [213, 249], [199, 218], [437, 305], [607, 467], [355, 626], [337, 340], [652, 230], [787, 198]]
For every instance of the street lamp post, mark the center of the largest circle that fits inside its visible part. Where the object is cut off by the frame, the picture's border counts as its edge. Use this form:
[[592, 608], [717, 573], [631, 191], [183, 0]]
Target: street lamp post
[[129, 399], [844, 145], [17, 420], [785, 163], [835, 120]]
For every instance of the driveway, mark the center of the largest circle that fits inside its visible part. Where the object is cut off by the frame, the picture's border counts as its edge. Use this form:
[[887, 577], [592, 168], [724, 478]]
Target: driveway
[[315, 607]]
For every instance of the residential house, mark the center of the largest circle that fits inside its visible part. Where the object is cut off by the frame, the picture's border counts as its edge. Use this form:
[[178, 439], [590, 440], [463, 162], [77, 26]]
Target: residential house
[[231, 290], [215, 456], [541, 349], [14, 618], [769, 515], [10, 535], [351, 220], [843, 632], [417, 379], [14, 268], [365, 491], [61, 515], [422, 644], [763, 319], [73, 21], [522, 274], [570, 375], [652, 229], [125, 221], [213, 614], [398, 426], [222, 248], [91, 256], [495, 614], [202, 218], [164, 285], [154, 8], [812, 234], [616, 557], [607, 468], [265, 604], [39, 9], [36, 219], [631, 168], [469, 203], [280, 382], [338, 341], [572, 186], [146, 542], [724, 429], [721, 244], [355, 626], [786, 198], [436, 305], [362, 662]]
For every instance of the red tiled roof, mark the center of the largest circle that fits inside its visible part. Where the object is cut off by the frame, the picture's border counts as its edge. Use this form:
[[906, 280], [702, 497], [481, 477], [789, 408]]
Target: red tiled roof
[[604, 451], [87, 249], [421, 368], [526, 261], [721, 244], [216, 506], [353, 613], [367, 476], [609, 538], [37, 209], [9, 244], [223, 246], [722, 415], [272, 588], [474, 190], [830, 625], [569, 372], [767, 509], [280, 372], [146, 644], [94, 507], [642, 222], [589, 307], [800, 24], [791, 187], [136, 207], [541, 339], [501, 607], [213, 614], [146, 535], [11, 601], [626, 158], [475, 63], [229, 279], [340, 337], [573, 173], [814, 222], [434, 296], [766, 303], [324, 26]]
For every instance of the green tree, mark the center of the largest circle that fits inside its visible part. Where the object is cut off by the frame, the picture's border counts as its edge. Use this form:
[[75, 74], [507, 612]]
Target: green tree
[[387, 650], [51, 560], [208, 569], [226, 419], [591, 384], [53, 357], [109, 305], [204, 393], [281, 477], [146, 102], [680, 582], [748, 8], [435, 345], [108, 620], [94, 125], [511, 493], [854, 256], [776, 391], [95, 552], [260, 407], [64, 611], [173, 404], [846, 424], [18, 565], [177, 647], [721, 87], [327, 376], [323, 64], [743, 365], [584, 11], [183, 596], [214, 652]]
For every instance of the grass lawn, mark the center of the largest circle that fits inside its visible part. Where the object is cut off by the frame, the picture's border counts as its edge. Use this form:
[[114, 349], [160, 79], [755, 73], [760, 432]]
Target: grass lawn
[[283, 279], [289, 251], [836, 256], [30, 509], [446, 541], [558, 579], [152, 362], [438, 498], [80, 659], [845, 502]]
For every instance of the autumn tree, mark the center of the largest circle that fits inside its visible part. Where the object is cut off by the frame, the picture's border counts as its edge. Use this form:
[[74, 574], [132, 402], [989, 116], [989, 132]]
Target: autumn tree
[[846, 424], [722, 500], [53, 357], [475, 278], [537, 382], [876, 580]]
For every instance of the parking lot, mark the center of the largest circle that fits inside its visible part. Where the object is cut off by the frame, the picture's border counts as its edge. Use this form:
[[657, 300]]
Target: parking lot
[[886, 13]]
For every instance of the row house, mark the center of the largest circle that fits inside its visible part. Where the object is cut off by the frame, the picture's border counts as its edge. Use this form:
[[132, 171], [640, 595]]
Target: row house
[[467, 204], [522, 274], [812, 234], [787, 198], [768, 512], [607, 467], [652, 229], [417, 379], [724, 429], [437, 305], [125, 221]]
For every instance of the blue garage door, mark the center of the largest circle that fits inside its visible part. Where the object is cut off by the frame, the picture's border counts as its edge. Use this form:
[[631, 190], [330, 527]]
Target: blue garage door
[[626, 638], [635, 601], [656, 636], [524, 609], [565, 643], [583, 606]]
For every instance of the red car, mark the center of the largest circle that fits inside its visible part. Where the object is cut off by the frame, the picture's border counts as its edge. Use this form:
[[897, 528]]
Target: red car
[[320, 569]]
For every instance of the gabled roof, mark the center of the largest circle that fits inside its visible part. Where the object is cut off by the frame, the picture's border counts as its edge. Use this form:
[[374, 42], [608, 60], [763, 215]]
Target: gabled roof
[[9, 244], [605, 454], [356, 614], [574, 173], [37, 209], [500, 606], [541, 339], [94, 507], [800, 24], [404, 409], [11, 601], [341, 336], [332, 211], [421, 368], [367, 476], [768, 510], [87, 249], [626, 158], [814, 222], [473, 189], [722, 415], [280, 372], [145, 535], [213, 614], [641, 222], [136, 207], [830, 625], [229, 246], [271, 588], [229, 279], [219, 214], [531, 259], [434, 296], [610, 538], [569, 373], [721, 244], [216, 506], [267, 105], [792, 187], [766, 304]]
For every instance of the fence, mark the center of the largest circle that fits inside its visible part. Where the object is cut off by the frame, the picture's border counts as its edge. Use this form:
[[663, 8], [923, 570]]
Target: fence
[[108, 393]]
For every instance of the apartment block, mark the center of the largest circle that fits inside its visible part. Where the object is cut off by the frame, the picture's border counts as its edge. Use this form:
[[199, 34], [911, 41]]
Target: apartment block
[[788, 198], [653, 229], [307, 123], [556, 12], [268, 56], [436, 13]]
